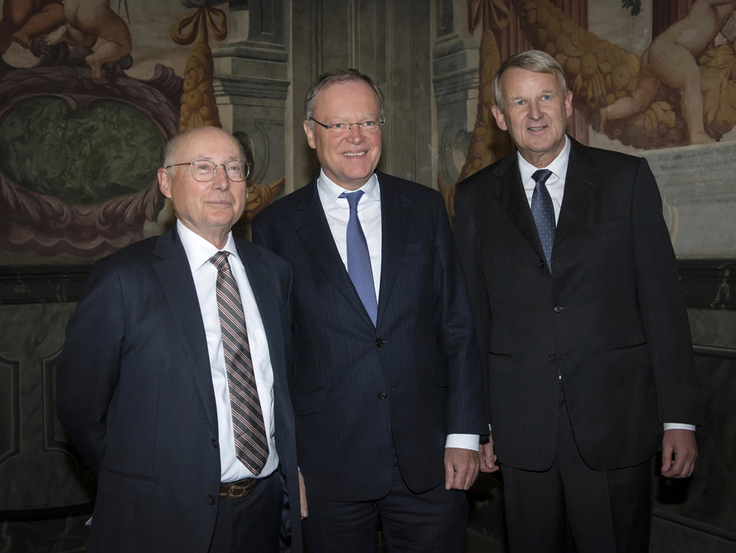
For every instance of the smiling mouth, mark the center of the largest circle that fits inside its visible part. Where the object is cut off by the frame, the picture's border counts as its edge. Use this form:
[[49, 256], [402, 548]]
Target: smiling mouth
[[354, 154], [536, 128]]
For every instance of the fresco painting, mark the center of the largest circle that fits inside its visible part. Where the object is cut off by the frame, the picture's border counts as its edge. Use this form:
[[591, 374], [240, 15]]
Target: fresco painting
[[680, 91], [89, 95], [90, 90]]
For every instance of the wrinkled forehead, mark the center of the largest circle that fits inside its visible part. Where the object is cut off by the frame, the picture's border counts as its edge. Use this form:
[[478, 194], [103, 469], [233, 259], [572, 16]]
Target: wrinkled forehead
[[518, 80], [210, 143]]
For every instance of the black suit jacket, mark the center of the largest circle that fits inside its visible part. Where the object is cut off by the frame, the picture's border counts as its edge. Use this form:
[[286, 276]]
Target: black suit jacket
[[609, 317], [361, 391], [136, 397]]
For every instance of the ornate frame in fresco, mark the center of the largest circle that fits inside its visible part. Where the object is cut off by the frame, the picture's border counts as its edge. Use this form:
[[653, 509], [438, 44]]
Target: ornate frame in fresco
[[48, 225]]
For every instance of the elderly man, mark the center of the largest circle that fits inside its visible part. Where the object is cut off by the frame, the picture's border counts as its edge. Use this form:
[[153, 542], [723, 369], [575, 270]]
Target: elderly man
[[578, 305], [172, 382], [386, 382]]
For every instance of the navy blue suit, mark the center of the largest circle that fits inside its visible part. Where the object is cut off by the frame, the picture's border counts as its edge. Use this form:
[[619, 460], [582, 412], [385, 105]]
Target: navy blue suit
[[135, 394], [360, 392]]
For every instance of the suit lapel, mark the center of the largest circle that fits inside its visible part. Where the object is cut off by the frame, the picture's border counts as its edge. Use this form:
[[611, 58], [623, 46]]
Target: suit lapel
[[580, 184], [177, 283], [310, 222], [395, 210], [510, 193]]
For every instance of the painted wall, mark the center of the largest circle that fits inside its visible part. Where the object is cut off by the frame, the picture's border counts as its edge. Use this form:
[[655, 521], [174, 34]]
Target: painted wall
[[79, 149]]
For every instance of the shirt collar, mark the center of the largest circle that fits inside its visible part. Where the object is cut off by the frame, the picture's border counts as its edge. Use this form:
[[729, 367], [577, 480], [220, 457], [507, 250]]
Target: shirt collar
[[558, 165], [329, 192], [199, 250]]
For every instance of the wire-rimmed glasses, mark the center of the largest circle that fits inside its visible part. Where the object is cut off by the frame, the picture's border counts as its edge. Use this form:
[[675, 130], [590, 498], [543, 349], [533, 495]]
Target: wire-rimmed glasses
[[204, 170], [367, 126]]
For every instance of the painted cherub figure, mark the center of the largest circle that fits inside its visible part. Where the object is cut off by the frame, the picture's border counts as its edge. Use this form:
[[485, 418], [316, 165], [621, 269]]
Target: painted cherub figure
[[25, 19], [671, 59], [88, 20]]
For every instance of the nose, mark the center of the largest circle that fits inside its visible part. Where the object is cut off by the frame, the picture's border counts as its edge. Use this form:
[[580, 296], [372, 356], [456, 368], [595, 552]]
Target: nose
[[355, 135], [220, 180], [534, 111]]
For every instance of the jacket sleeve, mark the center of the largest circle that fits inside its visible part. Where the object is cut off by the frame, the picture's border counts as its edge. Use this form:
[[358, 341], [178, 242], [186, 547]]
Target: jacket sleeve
[[89, 365], [662, 305]]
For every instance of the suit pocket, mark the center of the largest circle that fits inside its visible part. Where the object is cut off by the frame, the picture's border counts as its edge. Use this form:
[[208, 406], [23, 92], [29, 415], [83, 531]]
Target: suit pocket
[[312, 401], [127, 487], [606, 226], [632, 357], [500, 363]]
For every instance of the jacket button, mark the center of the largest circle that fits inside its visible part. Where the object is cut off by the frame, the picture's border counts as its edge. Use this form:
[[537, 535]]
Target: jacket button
[[380, 342], [558, 308], [214, 443], [210, 500], [541, 264], [382, 395], [553, 358]]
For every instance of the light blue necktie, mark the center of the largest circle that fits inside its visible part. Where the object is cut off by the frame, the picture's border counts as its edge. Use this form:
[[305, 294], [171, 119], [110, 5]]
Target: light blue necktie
[[359, 260], [544, 213]]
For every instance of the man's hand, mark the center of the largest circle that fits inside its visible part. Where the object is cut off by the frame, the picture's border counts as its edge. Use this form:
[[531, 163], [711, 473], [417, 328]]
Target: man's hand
[[487, 457], [461, 468], [679, 451], [303, 497]]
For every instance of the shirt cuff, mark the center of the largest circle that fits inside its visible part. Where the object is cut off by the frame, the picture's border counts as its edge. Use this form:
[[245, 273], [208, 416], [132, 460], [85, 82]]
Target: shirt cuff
[[463, 441], [678, 426]]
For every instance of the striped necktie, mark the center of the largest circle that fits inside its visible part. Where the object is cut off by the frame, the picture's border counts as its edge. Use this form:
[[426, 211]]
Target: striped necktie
[[251, 445]]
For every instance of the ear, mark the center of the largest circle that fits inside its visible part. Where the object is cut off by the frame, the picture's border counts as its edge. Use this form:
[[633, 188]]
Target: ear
[[164, 182], [500, 119], [310, 135], [568, 104]]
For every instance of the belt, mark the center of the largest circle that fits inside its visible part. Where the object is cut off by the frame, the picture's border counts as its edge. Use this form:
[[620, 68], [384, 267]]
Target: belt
[[236, 490]]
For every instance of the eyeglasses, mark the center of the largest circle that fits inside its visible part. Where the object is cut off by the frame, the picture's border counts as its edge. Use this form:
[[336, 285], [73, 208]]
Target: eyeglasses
[[204, 171], [367, 126]]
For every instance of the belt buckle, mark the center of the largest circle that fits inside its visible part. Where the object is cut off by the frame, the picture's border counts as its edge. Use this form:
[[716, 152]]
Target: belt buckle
[[237, 490]]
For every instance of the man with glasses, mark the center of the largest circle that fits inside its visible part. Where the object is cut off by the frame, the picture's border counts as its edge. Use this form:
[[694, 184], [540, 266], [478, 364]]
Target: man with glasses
[[172, 382], [386, 385]]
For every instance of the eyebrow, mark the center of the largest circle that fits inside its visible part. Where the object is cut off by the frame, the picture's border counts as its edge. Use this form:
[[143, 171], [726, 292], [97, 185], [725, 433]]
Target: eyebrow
[[339, 118]]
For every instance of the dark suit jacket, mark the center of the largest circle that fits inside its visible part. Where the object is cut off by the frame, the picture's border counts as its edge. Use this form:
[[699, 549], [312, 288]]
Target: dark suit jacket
[[359, 391], [610, 316], [135, 394]]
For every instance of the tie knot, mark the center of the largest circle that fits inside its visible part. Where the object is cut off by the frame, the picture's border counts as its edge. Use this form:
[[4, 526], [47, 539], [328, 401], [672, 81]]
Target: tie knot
[[541, 176], [353, 198], [219, 260]]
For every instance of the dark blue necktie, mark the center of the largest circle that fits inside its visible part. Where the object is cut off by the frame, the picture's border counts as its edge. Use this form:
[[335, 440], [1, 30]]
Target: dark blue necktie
[[544, 213], [359, 260]]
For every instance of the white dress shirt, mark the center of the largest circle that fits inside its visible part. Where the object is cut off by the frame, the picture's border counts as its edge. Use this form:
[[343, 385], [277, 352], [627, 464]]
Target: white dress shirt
[[199, 251], [556, 187], [337, 212]]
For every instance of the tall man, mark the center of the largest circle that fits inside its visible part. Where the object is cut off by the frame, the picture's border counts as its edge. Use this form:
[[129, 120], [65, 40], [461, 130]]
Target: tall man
[[173, 383], [577, 301], [386, 383]]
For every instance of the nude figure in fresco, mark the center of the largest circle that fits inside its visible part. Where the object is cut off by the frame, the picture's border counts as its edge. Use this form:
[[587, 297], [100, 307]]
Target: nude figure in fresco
[[88, 20], [671, 59], [24, 19]]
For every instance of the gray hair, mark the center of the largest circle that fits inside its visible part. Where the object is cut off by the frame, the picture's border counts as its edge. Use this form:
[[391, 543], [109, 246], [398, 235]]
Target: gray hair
[[531, 60], [338, 76], [171, 149]]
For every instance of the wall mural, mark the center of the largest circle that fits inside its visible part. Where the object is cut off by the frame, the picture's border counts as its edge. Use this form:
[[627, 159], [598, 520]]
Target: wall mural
[[88, 97], [680, 91]]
